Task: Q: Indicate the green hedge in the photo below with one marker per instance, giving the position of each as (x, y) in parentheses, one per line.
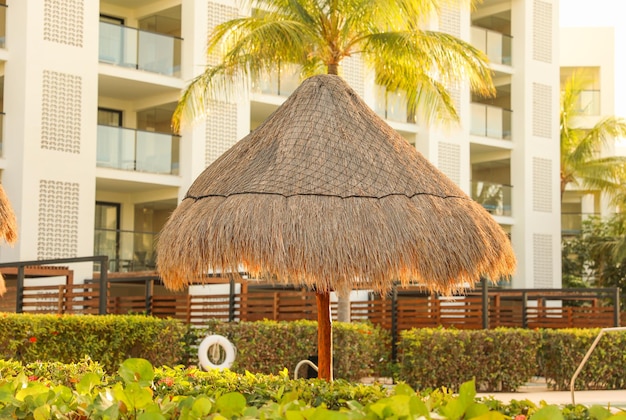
(360, 349)
(562, 351)
(108, 339)
(498, 359)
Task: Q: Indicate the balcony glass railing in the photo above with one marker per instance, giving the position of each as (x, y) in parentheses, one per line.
(588, 102)
(572, 223)
(1, 131)
(130, 47)
(496, 45)
(3, 24)
(495, 198)
(490, 121)
(392, 105)
(127, 250)
(283, 81)
(135, 150)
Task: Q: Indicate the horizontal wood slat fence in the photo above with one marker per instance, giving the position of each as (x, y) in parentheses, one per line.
(408, 309)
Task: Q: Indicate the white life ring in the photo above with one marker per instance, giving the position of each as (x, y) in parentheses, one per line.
(212, 340)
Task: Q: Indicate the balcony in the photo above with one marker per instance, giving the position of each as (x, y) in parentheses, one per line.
(490, 121)
(127, 250)
(495, 198)
(572, 223)
(136, 150)
(1, 130)
(3, 24)
(282, 82)
(588, 102)
(142, 50)
(496, 45)
(392, 106)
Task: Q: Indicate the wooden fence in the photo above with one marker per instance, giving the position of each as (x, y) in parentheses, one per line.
(407, 309)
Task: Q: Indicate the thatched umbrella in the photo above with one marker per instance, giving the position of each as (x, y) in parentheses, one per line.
(8, 227)
(325, 194)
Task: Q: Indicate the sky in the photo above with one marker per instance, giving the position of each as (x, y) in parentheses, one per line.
(603, 13)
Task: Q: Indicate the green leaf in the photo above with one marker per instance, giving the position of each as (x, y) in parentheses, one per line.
(33, 390)
(42, 412)
(138, 396)
(323, 413)
(137, 370)
(151, 416)
(88, 382)
(490, 415)
(403, 389)
(549, 412)
(201, 407)
(598, 412)
(476, 410)
(231, 404)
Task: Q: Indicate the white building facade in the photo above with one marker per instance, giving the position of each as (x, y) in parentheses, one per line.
(91, 166)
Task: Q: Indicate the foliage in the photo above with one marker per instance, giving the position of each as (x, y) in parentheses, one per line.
(318, 35)
(498, 359)
(580, 164)
(107, 339)
(598, 253)
(271, 346)
(140, 391)
(562, 351)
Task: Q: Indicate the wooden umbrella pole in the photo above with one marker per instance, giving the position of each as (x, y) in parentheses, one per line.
(324, 341)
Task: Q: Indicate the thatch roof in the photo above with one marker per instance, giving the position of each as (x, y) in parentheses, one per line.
(8, 227)
(325, 194)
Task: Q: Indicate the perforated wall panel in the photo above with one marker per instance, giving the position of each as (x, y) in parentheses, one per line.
(542, 260)
(352, 70)
(455, 94)
(221, 129)
(58, 219)
(542, 31)
(61, 112)
(542, 185)
(542, 110)
(217, 14)
(63, 21)
(450, 161)
(450, 20)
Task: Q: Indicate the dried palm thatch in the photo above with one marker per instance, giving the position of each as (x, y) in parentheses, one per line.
(8, 227)
(325, 194)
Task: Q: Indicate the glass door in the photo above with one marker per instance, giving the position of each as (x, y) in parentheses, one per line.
(107, 233)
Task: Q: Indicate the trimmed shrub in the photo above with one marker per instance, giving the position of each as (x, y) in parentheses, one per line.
(498, 360)
(107, 339)
(563, 350)
(360, 349)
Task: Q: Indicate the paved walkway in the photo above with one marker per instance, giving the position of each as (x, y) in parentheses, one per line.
(616, 399)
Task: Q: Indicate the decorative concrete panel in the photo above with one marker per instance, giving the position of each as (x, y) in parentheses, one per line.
(450, 161)
(63, 21)
(353, 72)
(542, 110)
(218, 13)
(58, 219)
(542, 260)
(61, 112)
(542, 185)
(221, 129)
(542, 31)
(450, 20)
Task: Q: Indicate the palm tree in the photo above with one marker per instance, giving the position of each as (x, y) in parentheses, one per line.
(580, 163)
(319, 34)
